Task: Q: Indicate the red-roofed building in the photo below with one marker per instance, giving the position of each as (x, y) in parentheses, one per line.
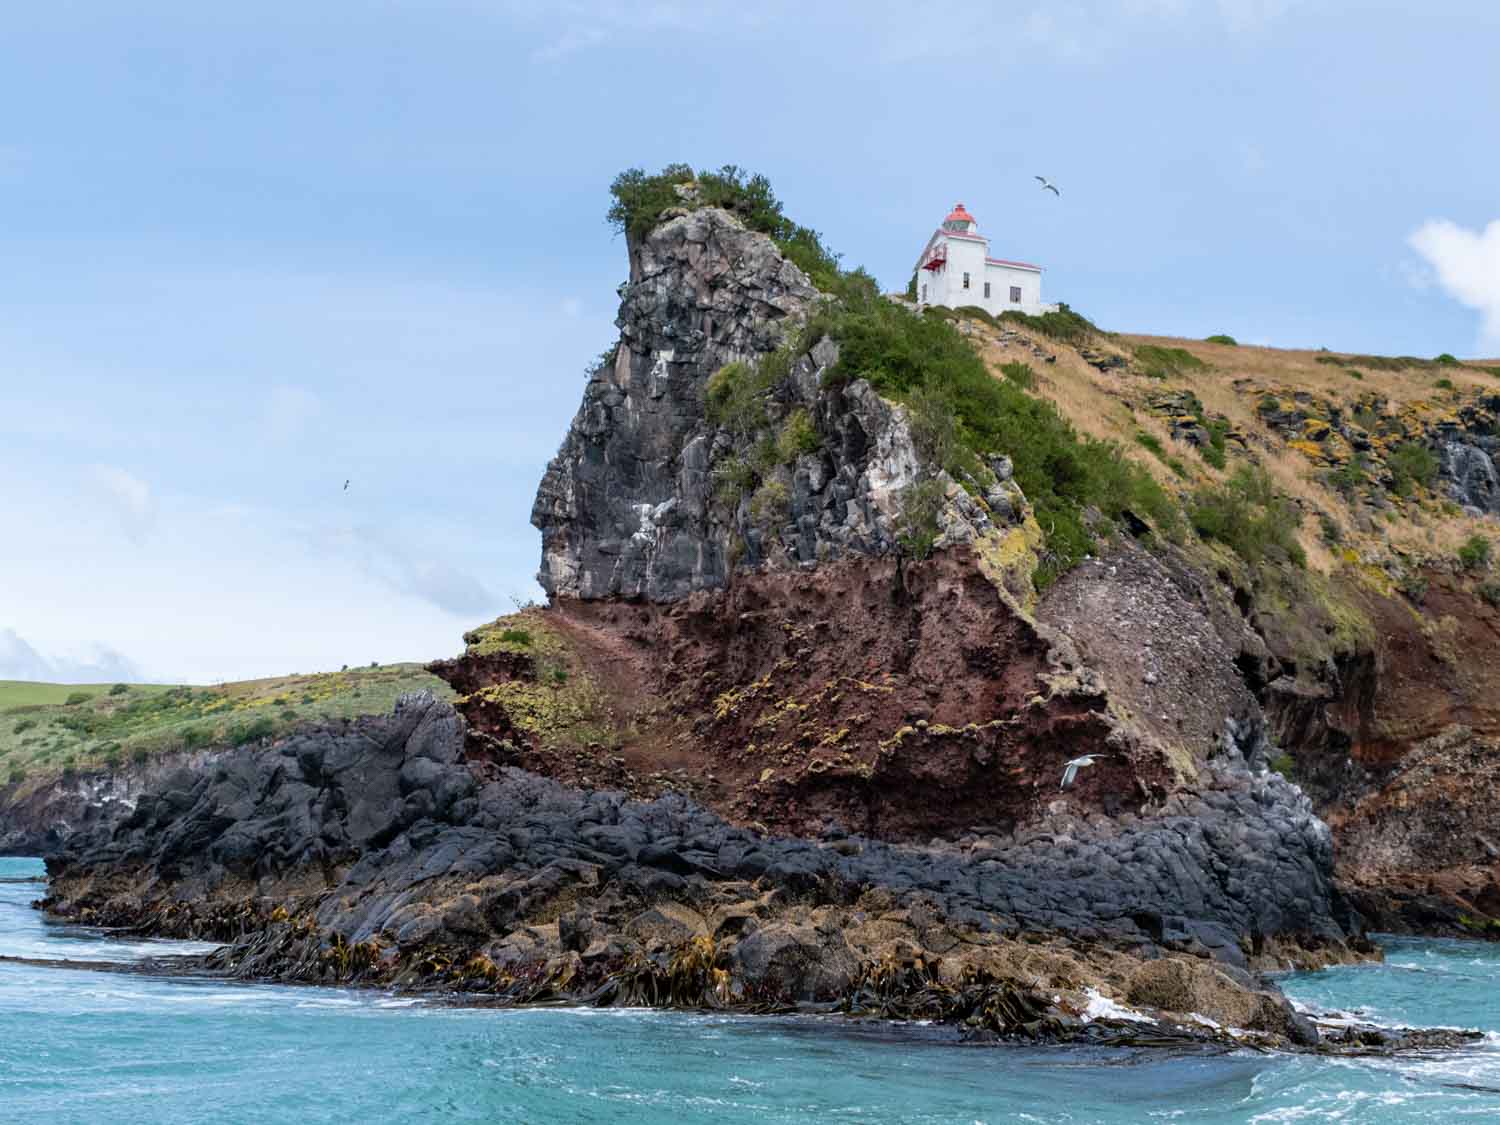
(956, 269)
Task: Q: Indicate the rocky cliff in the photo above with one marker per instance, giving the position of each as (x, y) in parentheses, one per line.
(766, 745)
(375, 852)
(649, 496)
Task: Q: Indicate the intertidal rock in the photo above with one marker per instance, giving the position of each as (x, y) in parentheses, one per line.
(374, 851)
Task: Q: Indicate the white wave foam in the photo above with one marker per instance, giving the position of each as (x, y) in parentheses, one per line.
(1101, 1007)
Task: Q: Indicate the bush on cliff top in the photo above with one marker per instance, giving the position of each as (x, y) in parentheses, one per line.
(1063, 324)
(640, 200)
(959, 408)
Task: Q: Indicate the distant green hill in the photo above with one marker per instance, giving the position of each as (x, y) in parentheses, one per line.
(46, 729)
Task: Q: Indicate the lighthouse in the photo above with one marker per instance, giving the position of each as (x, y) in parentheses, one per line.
(956, 269)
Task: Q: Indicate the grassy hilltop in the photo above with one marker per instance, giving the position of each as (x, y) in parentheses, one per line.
(47, 729)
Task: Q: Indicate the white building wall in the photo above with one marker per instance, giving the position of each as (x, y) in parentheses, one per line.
(1003, 278)
(964, 256)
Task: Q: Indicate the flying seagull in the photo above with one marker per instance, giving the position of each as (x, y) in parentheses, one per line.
(346, 486)
(1048, 185)
(1071, 768)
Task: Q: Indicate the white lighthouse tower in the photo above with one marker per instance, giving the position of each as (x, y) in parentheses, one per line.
(956, 269)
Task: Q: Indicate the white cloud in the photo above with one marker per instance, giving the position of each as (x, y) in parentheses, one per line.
(288, 410)
(571, 41)
(130, 497)
(400, 563)
(1467, 265)
(19, 660)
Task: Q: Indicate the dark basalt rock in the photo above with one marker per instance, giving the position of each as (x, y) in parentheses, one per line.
(631, 505)
(387, 815)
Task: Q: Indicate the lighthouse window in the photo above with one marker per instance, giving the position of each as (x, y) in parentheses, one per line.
(1015, 294)
(966, 280)
(986, 290)
(924, 294)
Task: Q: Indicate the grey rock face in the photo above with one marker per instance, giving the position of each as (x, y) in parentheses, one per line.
(1469, 471)
(632, 506)
(624, 506)
(387, 806)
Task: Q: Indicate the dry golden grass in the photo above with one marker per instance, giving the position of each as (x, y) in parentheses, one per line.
(1112, 406)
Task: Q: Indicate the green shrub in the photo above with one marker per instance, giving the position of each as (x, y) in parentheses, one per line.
(641, 199)
(605, 358)
(1411, 464)
(76, 697)
(1413, 585)
(1284, 764)
(1353, 374)
(937, 432)
(1150, 443)
(1349, 477)
(734, 398)
(200, 734)
(1490, 592)
(911, 288)
(798, 437)
(1444, 384)
(1475, 553)
(974, 312)
(251, 731)
(140, 755)
(733, 478)
(1248, 516)
(119, 689)
(1064, 324)
(520, 637)
(917, 529)
(1020, 374)
(1377, 362)
(1447, 360)
(1159, 362)
(24, 725)
(1221, 338)
(1329, 529)
(1062, 474)
(770, 503)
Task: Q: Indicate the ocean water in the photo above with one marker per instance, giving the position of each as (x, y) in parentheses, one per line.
(91, 1046)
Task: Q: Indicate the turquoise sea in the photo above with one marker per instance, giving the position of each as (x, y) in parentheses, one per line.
(88, 1046)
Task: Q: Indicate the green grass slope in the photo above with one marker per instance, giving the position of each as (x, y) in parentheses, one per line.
(46, 729)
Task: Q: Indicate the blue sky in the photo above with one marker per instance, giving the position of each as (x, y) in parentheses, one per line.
(252, 251)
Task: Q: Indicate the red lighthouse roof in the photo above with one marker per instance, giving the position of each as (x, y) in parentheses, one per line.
(959, 215)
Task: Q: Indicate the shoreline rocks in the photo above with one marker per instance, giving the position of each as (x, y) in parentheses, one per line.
(375, 853)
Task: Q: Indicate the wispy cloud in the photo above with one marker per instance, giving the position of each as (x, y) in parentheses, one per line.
(130, 497)
(401, 563)
(20, 660)
(571, 41)
(1467, 265)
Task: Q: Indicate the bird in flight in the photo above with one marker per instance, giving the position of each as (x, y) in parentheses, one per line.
(1071, 768)
(1048, 185)
(346, 486)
